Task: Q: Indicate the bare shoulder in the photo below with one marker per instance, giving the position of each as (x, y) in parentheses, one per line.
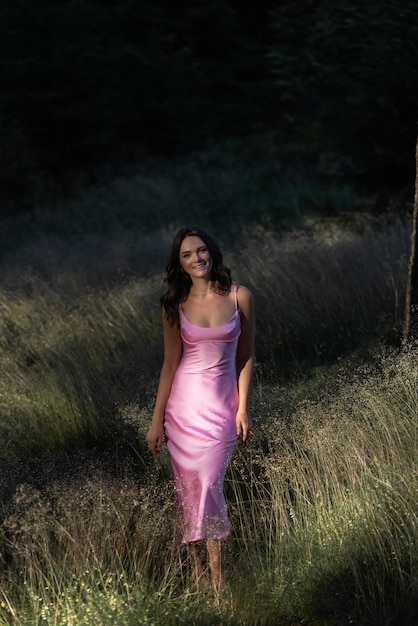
(247, 315)
(172, 342)
(169, 329)
(245, 299)
(244, 295)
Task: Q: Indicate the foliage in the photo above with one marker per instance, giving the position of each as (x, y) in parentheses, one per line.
(351, 68)
(89, 89)
(94, 85)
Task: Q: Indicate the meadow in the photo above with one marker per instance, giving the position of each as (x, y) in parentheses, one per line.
(323, 498)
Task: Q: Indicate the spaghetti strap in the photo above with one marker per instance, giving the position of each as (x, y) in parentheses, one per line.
(236, 298)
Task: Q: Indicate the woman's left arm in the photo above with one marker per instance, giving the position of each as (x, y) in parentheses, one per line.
(245, 359)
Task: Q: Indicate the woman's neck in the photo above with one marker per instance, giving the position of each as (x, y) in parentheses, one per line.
(201, 289)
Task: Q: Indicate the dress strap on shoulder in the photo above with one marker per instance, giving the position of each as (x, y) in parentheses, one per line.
(236, 298)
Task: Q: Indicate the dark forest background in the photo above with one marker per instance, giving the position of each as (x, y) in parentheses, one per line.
(90, 87)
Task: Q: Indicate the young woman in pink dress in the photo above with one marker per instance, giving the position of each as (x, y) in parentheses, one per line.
(201, 407)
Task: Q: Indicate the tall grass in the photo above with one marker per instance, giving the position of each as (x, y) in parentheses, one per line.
(322, 500)
(323, 505)
(340, 479)
(62, 360)
(77, 342)
(321, 291)
(234, 183)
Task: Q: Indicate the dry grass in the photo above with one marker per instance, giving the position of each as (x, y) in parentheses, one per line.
(323, 501)
(323, 505)
(320, 291)
(80, 341)
(61, 360)
(335, 507)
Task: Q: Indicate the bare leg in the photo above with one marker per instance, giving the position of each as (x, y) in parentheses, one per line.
(215, 564)
(195, 554)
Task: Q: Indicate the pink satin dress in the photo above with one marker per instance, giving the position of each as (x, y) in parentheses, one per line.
(200, 426)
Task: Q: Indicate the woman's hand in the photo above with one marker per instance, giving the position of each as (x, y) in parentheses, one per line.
(155, 437)
(243, 425)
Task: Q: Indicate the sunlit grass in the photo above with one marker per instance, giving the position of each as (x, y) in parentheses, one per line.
(340, 530)
(322, 500)
(82, 341)
(60, 359)
(323, 505)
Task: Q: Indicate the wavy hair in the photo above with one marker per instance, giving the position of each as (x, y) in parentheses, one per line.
(179, 282)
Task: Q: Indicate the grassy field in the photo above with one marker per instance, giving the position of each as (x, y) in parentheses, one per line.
(322, 500)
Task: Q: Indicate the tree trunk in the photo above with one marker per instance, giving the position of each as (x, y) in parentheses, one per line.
(410, 331)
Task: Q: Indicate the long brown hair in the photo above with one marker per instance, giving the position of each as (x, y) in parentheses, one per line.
(179, 282)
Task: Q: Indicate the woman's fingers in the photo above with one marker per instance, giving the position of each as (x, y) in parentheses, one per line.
(244, 431)
(152, 447)
(243, 428)
(154, 443)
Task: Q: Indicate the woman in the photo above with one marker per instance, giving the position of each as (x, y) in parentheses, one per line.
(202, 400)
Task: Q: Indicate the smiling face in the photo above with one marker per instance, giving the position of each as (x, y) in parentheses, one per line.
(195, 258)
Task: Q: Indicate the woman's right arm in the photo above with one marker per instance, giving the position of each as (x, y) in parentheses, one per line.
(172, 354)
